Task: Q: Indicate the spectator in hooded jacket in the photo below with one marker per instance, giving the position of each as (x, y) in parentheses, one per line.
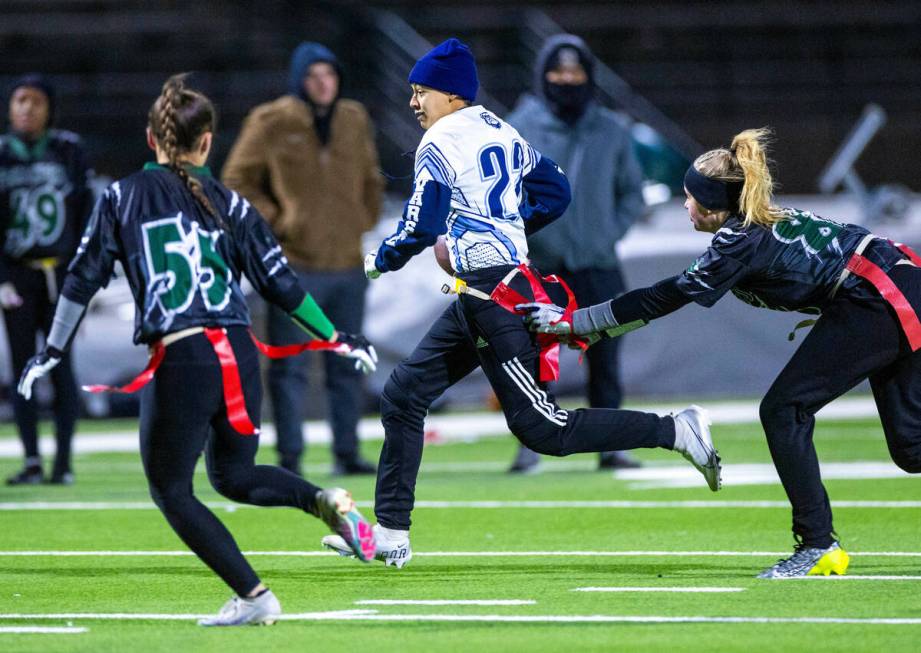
(307, 161)
(593, 146)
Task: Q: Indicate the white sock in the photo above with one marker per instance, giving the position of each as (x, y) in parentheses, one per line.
(392, 533)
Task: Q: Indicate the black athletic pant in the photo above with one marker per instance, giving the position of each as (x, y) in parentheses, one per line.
(472, 332)
(852, 341)
(23, 324)
(183, 413)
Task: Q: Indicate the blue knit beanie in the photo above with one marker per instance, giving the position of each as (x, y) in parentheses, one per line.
(448, 67)
(304, 56)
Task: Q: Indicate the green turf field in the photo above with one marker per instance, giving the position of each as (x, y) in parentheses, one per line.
(469, 507)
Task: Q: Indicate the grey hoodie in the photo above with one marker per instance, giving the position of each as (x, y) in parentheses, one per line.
(598, 158)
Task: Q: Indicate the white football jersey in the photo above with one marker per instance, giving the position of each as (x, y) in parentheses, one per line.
(482, 159)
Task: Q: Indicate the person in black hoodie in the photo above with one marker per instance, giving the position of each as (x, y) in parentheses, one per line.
(45, 199)
(592, 144)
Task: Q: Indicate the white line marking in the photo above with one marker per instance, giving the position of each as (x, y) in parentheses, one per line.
(371, 615)
(154, 616)
(446, 602)
(659, 589)
(653, 477)
(459, 554)
(55, 630)
(481, 505)
(460, 428)
(852, 578)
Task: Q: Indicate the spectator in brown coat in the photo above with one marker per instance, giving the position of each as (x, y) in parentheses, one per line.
(308, 163)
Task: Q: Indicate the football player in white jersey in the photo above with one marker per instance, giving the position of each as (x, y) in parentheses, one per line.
(480, 185)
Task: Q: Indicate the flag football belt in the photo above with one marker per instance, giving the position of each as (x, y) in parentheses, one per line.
(865, 269)
(230, 373)
(508, 299)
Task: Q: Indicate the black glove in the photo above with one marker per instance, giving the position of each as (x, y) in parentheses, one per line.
(37, 367)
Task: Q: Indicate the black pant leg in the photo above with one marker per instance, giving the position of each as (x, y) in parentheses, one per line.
(897, 390)
(66, 411)
(175, 419)
(22, 326)
(344, 304)
(66, 394)
(593, 286)
(231, 457)
(511, 363)
(848, 343)
(443, 357)
(288, 386)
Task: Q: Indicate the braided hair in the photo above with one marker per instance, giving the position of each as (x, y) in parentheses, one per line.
(177, 120)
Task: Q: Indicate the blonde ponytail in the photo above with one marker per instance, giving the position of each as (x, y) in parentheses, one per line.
(746, 161)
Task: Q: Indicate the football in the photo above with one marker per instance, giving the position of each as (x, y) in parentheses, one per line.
(442, 255)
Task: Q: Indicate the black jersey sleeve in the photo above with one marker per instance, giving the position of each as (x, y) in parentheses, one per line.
(719, 269)
(93, 263)
(260, 258)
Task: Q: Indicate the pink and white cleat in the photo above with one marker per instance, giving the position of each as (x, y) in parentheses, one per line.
(336, 508)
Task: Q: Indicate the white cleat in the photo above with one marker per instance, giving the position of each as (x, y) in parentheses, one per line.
(392, 551)
(262, 610)
(693, 441)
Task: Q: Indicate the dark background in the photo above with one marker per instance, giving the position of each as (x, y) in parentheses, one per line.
(715, 68)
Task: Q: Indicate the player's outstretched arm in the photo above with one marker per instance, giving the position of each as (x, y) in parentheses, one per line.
(612, 318)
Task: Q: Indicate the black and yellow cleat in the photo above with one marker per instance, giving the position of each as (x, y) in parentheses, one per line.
(810, 561)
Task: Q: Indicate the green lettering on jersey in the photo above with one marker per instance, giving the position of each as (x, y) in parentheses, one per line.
(215, 277)
(37, 218)
(813, 233)
(181, 263)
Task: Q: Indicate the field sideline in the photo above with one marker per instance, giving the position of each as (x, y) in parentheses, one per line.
(569, 559)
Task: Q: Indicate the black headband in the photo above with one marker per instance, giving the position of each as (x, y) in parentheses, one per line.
(710, 193)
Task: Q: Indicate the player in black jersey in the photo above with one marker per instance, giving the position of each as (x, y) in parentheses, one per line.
(45, 199)
(184, 241)
(866, 289)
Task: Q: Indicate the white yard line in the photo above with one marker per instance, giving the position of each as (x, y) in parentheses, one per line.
(156, 616)
(474, 505)
(852, 578)
(50, 630)
(446, 602)
(457, 554)
(447, 428)
(371, 615)
(660, 589)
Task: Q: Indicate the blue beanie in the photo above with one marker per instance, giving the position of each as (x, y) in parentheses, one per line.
(448, 67)
(304, 56)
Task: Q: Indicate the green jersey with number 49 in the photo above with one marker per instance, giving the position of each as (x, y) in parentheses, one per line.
(45, 197)
(184, 266)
